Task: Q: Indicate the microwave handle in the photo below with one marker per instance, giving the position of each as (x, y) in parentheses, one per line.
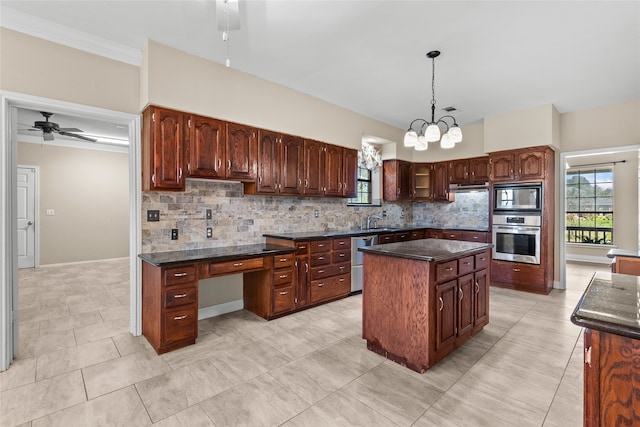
(499, 227)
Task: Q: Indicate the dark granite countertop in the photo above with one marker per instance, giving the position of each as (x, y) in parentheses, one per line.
(214, 254)
(611, 303)
(629, 253)
(328, 234)
(431, 250)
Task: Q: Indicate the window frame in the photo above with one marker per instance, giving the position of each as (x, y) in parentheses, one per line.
(355, 201)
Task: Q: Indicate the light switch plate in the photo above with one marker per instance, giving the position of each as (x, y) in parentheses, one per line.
(208, 214)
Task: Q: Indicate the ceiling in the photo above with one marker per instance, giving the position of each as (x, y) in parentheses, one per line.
(369, 56)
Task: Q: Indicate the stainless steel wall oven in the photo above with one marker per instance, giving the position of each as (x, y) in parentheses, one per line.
(516, 238)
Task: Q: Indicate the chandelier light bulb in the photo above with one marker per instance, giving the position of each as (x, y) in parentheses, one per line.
(446, 141)
(432, 133)
(455, 133)
(410, 138)
(421, 143)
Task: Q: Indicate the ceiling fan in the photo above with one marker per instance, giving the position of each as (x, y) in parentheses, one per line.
(49, 128)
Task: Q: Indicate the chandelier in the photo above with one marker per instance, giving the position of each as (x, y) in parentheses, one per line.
(429, 131)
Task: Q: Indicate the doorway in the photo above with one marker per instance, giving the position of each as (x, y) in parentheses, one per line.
(27, 212)
(10, 102)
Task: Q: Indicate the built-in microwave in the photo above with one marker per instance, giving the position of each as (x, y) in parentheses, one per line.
(525, 197)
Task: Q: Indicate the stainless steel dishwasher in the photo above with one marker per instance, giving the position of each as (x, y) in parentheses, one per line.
(356, 259)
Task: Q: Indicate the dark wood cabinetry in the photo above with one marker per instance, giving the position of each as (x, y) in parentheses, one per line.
(333, 170)
(397, 180)
(207, 138)
(459, 171)
(163, 150)
(469, 171)
(611, 385)
(291, 165)
(520, 165)
(280, 164)
(240, 152)
(421, 182)
(314, 169)
(441, 181)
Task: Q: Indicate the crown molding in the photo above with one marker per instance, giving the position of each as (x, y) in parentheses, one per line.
(66, 36)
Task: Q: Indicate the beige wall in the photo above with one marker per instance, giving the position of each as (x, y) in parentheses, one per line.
(33, 66)
(89, 193)
(522, 128)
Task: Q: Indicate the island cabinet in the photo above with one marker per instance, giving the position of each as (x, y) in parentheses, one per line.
(416, 311)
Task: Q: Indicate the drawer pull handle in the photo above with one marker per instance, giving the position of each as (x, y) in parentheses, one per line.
(516, 269)
(342, 255)
(475, 237)
(467, 263)
(283, 260)
(441, 304)
(449, 269)
(283, 276)
(321, 245)
(342, 243)
(483, 259)
(180, 296)
(320, 271)
(284, 293)
(180, 274)
(302, 247)
(180, 317)
(341, 268)
(237, 264)
(320, 285)
(320, 258)
(341, 280)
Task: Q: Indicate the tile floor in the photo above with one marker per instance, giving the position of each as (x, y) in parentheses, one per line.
(77, 364)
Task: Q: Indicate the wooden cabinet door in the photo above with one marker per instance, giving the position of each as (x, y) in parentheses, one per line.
(291, 164)
(241, 150)
(206, 147)
(459, 171)
(268, 162)
(302, 281)
(502, 167)
(404, 187)
(530, 164)
(446, 296)
(397, 179)
(350, 172)
(466, 290)
(440, 181)
(481, 299)
(314, 180)
(164, 149)
(333, 173)
(479, 170)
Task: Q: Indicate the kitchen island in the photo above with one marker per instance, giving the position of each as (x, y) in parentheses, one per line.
(422, 299)
(610, 311)
(625, 261)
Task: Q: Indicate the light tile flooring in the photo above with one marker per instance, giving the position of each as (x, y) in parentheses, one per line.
(77, 364)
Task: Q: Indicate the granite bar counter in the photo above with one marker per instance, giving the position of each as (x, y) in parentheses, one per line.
(610, 311)
(423, 299)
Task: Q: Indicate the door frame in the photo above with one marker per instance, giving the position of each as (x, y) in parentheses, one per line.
(9, 102)
(36, 216)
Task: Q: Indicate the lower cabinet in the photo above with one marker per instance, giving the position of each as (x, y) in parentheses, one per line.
(521, 276)
(611, 380)
(326, 289)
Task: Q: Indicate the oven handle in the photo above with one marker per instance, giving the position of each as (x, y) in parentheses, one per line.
(534, 229)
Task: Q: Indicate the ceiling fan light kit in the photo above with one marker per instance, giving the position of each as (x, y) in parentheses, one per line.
(429, 130)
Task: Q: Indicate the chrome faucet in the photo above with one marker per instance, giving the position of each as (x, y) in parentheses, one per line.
(375, 218)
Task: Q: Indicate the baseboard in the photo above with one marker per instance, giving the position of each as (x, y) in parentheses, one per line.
(81, 262)
(589, 259)
(217, 310)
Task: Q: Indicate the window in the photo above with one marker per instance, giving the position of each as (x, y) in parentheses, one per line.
(589, 206)
(364, 187)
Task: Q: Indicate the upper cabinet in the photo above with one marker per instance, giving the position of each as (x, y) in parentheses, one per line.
(314, 168)
(520, 165)
(469, 171)
(421, 182)
(397, 177)
(441, 181)
(163, 150)
(341, 169)
(241, 147)
(350, 172)
(280, 164)
(206, 147)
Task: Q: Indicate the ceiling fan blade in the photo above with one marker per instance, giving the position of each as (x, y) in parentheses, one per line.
(69, 130)
(34, 129)
(47, 136)
(73, 135)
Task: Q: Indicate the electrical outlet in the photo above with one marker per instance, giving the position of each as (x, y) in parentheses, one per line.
(315, 213)
(174, 234)
(153, 216)
(209, 232)
(208, 214)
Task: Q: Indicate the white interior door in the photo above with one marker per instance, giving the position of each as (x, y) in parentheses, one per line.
(26, 211)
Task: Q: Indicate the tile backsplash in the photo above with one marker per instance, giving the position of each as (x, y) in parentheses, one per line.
(240, 219)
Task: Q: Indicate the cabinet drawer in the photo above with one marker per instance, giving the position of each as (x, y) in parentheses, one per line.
(180, 296)
(320, 246)
(446, 271)
(237, 266)
(320, 259)
(283, 261)
(403, 237)
(465, 265)
(341, 256)
(302, 248)
(417, 235)
(180, 325)
(475, 236)
(282, 277)
(330, 270)
(482, 260)
(523, 275)
(283, 299)
(181, 274)
(386, 238)
(452, 235)
(339, 244)
(330, 288)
